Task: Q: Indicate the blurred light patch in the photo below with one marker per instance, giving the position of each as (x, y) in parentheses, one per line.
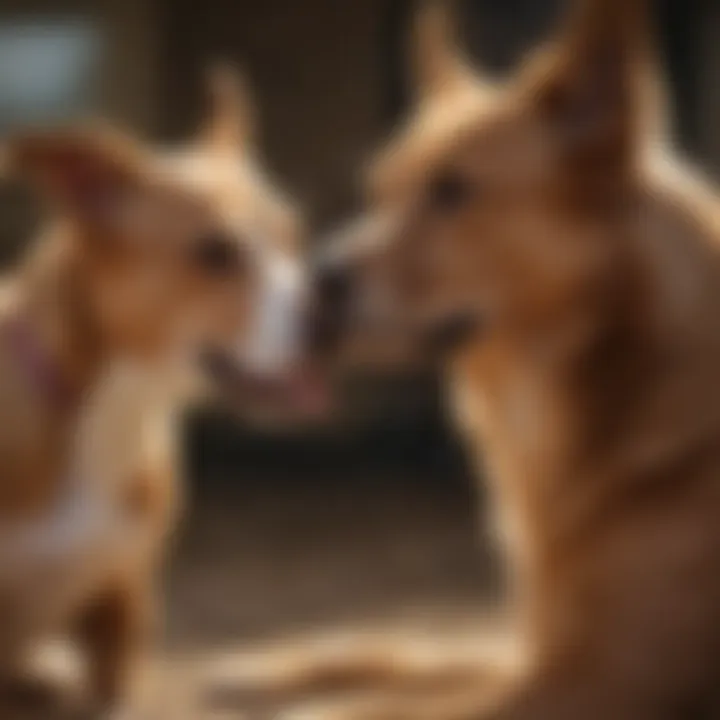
(46, 70)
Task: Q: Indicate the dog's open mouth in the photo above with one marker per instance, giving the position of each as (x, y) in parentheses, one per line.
(300, 393)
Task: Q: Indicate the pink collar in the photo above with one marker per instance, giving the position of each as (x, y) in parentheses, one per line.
(40, 368)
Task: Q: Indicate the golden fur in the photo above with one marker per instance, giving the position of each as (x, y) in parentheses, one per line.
(549, 212)
(151, 257)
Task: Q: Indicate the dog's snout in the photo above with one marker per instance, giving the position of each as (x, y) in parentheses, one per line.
(333, 296)
(333, 285)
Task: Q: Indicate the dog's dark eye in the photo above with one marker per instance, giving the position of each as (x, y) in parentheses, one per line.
(218, 254)
(449, 192)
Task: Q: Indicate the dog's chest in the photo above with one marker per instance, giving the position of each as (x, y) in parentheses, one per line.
(510, 414)
(509, 421)
(89, 532)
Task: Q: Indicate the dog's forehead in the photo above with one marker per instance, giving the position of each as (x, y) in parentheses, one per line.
(235, 192)
(430, 136)
(211, 175)
(497, 136)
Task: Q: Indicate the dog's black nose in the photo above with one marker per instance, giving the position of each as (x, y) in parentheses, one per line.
(333, 296)
(333, 285)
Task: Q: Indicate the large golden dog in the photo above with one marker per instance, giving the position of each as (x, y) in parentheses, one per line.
(538, 242)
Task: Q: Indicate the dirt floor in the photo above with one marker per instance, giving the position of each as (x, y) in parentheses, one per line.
(299, 568)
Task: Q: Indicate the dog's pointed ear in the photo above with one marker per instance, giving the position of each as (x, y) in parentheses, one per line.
(437, 62)
(601, 80)
(230, 121)
(82, 171)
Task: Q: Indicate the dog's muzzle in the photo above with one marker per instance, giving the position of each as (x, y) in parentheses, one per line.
(446, 336)
(332, 307)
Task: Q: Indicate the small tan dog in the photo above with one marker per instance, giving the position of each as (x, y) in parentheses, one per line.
(537, 242)
(152, 261)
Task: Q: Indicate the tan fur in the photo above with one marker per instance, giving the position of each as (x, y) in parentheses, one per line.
(115, 296)
(590, 389)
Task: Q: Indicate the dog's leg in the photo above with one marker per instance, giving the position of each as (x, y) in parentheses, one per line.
(553, 696)
(569, 694)
(117, 628)
(458, 692)
(114, 632)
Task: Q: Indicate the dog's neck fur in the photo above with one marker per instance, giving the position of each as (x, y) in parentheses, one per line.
(592, 424)
(101, 434)
(53, 301)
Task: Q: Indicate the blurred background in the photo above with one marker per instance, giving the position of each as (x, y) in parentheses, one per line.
(367, 525)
